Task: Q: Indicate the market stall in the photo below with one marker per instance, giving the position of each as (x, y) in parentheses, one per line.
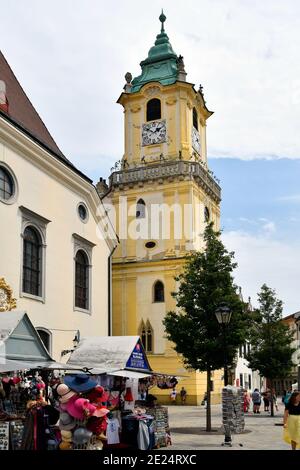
(25, 367)
(120, 367)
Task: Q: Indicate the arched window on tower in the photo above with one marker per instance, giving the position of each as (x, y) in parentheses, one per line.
(153, 109)
(158, 292)
(140, 209)
(195, 119)
(149, 337)
(146, 335)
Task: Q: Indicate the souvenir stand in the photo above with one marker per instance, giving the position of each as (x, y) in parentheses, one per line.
(24, 370)
(119, 366)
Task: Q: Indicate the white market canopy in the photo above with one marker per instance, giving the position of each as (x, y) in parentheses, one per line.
(116, 355)
(21, 346)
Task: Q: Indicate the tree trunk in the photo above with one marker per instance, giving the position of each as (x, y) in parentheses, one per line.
(271, 399)
(208, 406)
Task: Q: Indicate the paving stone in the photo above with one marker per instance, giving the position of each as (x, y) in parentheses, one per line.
(187, 425)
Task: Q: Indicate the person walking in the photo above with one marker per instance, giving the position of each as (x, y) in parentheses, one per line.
(173, 396)
(246, 401)
(291, 421)
(183, 394)
(256, 399)
(288, 395)
(266, 399)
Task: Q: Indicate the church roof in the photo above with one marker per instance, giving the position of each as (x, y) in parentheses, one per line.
(161, 64)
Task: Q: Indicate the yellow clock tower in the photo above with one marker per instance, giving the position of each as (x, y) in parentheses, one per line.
(162, 193)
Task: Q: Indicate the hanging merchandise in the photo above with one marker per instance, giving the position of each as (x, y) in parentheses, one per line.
(80, 383)
(113, 430)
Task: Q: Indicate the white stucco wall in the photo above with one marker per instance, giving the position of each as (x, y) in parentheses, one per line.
(53, 191)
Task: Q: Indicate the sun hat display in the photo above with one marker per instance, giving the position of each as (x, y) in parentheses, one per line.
(80, 408)
(97, 445)
(64, 393)
(100, 411)
(96, 394)
(96, 425)
(64, 445)
(80, 382)
(66, 436)
(81, 436)
(66, 421)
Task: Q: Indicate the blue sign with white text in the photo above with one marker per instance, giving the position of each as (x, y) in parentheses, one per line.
(138, 359)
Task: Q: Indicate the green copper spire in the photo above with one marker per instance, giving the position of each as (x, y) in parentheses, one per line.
(161, 64)
(162, 19)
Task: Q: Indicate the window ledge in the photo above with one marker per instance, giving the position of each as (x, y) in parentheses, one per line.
(82, 310)
(33, 297)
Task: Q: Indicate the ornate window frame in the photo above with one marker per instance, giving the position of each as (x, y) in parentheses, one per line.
(143, 330)
(12, 175)
(39, 223)
(153, 292)
(85, 245)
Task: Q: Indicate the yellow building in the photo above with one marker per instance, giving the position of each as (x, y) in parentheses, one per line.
(163, 193)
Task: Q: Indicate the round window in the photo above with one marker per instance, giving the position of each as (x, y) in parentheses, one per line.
(7, 186)
(206, 214)
(150, 245)
(83, 213)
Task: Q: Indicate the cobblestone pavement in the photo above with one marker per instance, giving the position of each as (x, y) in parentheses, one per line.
(187, 425)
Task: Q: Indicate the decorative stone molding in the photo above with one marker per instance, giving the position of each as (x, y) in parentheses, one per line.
(135, 109)
(153, 90)
(7, 301)
(171, 100)
(168, 170)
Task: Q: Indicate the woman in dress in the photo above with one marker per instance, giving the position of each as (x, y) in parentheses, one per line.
(291, 421)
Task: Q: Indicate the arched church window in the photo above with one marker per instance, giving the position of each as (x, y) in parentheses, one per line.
(146, 335)
(153, 109)
(32, 261)
(149, 337)
(195, 119)
(158, 292)
(140, 209)
(81, 280)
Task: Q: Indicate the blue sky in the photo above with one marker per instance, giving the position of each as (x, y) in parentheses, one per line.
(260, 192)
(71, 58)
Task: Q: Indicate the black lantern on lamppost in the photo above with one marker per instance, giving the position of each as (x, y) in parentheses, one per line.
(223, 315)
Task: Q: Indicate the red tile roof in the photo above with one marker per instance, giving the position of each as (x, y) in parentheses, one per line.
(21, 111)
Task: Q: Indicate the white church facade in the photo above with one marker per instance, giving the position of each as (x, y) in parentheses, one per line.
(55, 239)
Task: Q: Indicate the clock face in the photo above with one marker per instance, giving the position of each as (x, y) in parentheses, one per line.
(154, 132)
(196, 140)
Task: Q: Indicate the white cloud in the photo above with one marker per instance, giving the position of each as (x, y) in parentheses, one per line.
(265, 260)
(291, 198)
(269, 227)
(71, 58)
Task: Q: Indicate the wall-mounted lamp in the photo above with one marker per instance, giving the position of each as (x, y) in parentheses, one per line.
(76, 340)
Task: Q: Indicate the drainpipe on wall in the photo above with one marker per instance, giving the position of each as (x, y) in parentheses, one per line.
(110, 292)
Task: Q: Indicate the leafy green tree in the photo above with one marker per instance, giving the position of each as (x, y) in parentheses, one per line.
(271, 351)
(205, 283)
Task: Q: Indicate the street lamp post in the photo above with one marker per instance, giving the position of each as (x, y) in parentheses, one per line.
(223, 315)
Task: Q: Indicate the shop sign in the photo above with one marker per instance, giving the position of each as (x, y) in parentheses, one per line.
(138, 359)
